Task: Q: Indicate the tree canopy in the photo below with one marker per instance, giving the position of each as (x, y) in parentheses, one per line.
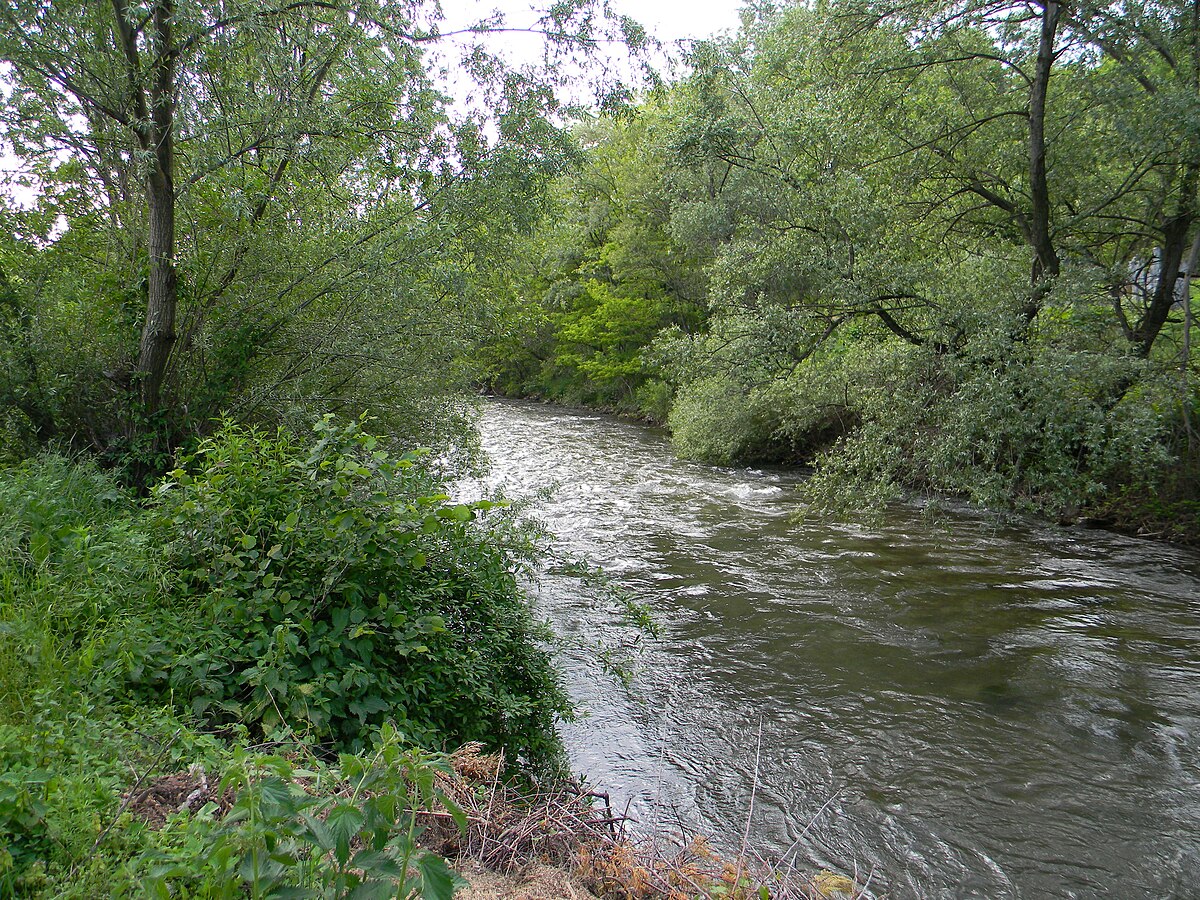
(925, 245)
(254, 207)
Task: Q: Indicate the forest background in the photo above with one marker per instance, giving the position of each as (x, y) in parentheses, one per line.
(920, 247)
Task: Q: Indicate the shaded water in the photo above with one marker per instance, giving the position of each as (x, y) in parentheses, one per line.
(961, 709)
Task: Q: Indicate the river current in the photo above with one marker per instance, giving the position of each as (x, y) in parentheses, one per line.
(949, 706)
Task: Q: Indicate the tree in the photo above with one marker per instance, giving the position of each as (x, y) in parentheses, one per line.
(284, 189)
(601, 276)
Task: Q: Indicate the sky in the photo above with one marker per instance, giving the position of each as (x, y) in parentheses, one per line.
(677, 19)
(671, 22)
(674, 23)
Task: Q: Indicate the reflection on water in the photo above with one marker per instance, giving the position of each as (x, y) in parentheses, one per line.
(980, 711)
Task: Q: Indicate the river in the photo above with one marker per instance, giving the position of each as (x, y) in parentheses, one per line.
(956, 707)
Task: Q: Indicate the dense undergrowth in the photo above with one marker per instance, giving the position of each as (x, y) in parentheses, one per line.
(286, 619)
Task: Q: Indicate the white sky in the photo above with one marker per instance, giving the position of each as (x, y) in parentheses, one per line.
(671, 20)
(667, 20)
(674, 23)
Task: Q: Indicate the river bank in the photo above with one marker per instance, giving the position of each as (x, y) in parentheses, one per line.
(243, 682)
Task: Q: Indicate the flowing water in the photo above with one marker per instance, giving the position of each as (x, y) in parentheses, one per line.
(955, 707)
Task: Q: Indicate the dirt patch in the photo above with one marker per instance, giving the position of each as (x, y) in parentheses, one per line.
(510, 826)
(155, 800)
(534, 883)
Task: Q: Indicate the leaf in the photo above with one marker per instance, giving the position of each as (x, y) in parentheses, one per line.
(373, 890)
(459, 513)
(378, 863)
(321, 834)
(344, 821)
(438, 882)
(277, 793)
(456, 812)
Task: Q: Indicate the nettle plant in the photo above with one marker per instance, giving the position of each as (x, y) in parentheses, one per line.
(297, 830)
(335, 587)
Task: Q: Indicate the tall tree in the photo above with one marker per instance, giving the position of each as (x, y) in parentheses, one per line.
(274, 176)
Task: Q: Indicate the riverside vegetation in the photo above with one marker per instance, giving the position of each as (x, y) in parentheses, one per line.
(323, 598)
(934, 247)
(922, 246)
(226, 221)
(224, 690)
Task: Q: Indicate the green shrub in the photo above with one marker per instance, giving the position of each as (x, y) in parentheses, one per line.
(333, 587)
(714, 421)
(313, 829)
(1047, 436)
(274, 587)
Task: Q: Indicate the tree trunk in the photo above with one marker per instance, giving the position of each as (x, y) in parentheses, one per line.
(1175, 235)
(158, 333)
(1046, 265)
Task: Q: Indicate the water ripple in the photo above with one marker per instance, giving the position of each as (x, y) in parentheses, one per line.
(973, 709)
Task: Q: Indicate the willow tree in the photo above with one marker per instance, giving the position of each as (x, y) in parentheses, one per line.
(946, 241)
(281, 185)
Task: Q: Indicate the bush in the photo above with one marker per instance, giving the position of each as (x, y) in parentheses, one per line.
(312, 829)
(1045, 434)
(713, 421)
(334, 588)
(274, 587)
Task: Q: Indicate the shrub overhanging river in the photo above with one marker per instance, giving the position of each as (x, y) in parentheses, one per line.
(961, 708)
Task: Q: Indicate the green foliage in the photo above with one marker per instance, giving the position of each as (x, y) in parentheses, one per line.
(601, 277)
(921, 247)
(298, 825)
(311, 830)
(63, 768)
(76, 567)
(335, 587)
(712, 421)
(1040, 435)
(328, 211)
(322, 589)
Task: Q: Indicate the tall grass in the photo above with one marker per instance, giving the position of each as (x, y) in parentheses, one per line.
(75, 569)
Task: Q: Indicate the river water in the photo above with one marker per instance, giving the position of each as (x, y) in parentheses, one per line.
(953, 707)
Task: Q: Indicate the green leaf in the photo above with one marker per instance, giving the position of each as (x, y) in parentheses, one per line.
(344, 821)
(321, 834)
(456, 812)
(459, 513)
(378, 863)
(437, 880)
(275, 795)
(373, 890)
